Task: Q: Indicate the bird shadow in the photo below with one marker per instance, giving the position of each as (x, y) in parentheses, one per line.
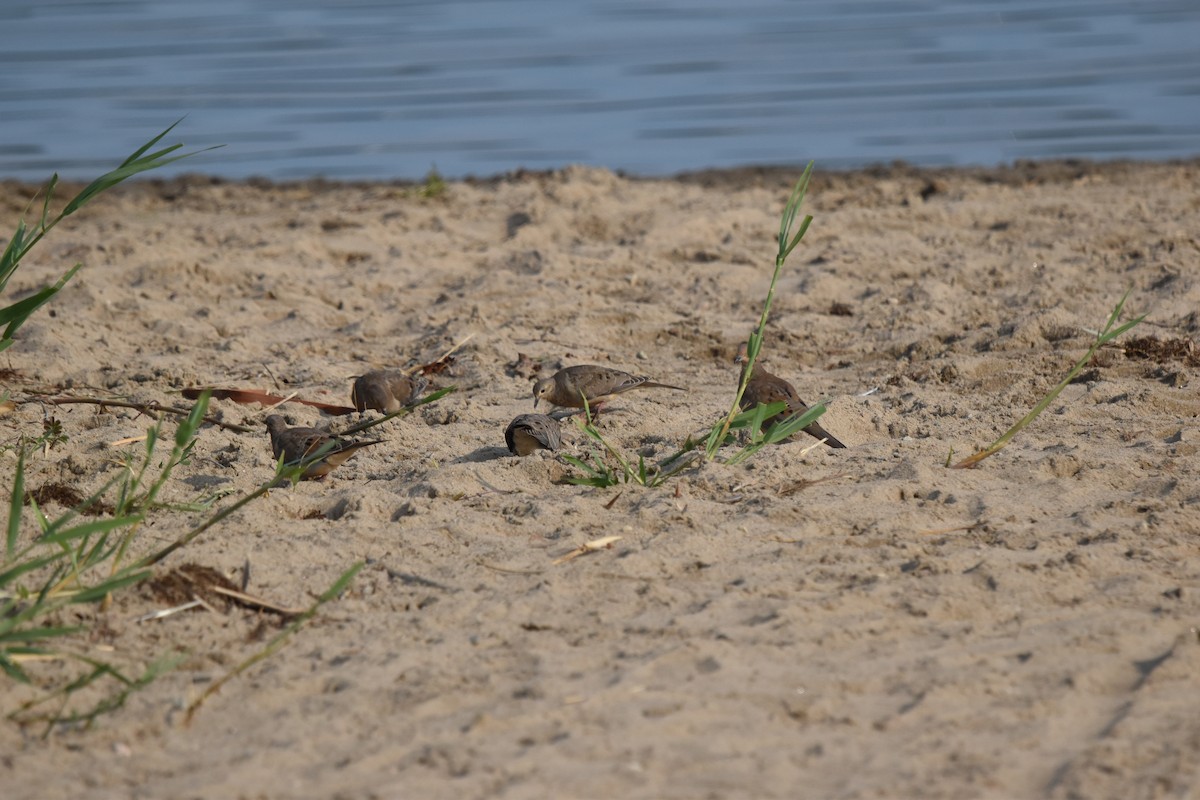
(562, 415)
(481, 454)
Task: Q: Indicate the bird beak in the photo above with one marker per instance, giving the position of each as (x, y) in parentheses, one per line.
(535, 399)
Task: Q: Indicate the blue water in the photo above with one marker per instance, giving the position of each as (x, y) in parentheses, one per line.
(382, 90)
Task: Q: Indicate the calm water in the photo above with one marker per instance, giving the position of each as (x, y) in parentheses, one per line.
(299, 88)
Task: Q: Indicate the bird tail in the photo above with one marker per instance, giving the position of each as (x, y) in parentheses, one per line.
(817, 432)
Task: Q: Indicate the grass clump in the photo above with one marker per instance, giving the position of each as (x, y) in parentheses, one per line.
(597, 473)
(433, 185)
(70, 563)
(50, 567)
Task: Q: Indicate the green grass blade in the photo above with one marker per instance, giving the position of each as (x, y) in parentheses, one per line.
(90, 502)
(756, 421)
(576, 462)
(91, 528)
(39, 634)
(137, 154)
(43, 223)
(98, 592)
(745, 418)
(799, 234)
(16, 507)
(12, 254)
(16, 313)
(10, 668)
(191, 423)
(16, 571)
(786, 244)
(599, 476)
(139, 161)
(794, 424)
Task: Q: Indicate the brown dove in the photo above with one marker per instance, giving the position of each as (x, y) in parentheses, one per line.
(766, 388)
(299, 444)
(386, 390)
(529, 432)
(598, 384)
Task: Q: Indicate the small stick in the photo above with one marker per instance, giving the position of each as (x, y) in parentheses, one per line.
(162, 613)
(936, 531)
(588, 547)
(130, 440)
(494, 489)
(271, 375)
(439, 359)
(278, 402)
(256, 602)
(509, 570)
(145, 408)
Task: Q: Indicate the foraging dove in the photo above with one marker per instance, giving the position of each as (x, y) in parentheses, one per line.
(529, 432)
(597, 384)
(766, 388)
(298, 444)
(386, 390)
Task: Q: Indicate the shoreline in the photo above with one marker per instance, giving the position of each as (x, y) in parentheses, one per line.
(1015, 172)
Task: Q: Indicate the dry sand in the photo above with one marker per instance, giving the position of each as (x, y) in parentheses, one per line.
(815, 623)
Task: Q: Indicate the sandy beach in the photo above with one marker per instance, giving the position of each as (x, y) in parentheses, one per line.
(852, 623)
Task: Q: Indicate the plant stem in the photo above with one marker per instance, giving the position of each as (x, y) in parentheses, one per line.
(1102, 338)
(787, 242)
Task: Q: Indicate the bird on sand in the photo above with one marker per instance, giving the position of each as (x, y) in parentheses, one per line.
(529, 432)
(569, 386)
(766, 388)
(299, 445)
(386, 390)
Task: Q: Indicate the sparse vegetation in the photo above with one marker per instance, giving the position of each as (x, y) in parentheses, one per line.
(598, 473)
(23, 240)
(87, 554)
(1103, 337)
(433, 186)
(67, 562)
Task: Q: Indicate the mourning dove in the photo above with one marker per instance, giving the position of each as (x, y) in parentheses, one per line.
(386, 390)
(568, 386)
(297, 445)
(765, 388)
(529, 432)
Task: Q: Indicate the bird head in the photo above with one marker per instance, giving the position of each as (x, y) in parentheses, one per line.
(542, 389)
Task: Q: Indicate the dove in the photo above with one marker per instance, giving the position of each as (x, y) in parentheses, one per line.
(300, 444)
(529, 432)
(597, 384)
(766, 388)
(386, 390)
